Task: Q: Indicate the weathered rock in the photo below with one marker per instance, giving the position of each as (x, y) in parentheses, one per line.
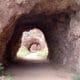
(58, 19)
(33, 40)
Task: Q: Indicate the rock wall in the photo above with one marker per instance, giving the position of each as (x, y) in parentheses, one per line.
(74, 38)
(58, 19)
(33, 40)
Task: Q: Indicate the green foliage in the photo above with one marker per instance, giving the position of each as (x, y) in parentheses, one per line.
(42, 53)
(76, 73)
(1, 70)
(22, 52)
(76, 77)
(3, 76)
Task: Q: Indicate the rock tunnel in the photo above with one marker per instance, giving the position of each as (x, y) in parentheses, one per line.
(55, 31)
(58, 20)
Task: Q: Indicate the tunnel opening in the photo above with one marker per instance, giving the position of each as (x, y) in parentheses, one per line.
(24, 23)
(33, 46)
(55, 29)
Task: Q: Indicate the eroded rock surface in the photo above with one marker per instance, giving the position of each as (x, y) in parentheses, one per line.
(33, 40)
(58, 19)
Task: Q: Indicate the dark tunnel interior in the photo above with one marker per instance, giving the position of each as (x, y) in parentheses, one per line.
(48, 25)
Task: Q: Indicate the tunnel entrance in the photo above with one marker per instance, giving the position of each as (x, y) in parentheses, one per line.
(53, 26)
(58, 21)
(28, 35)
(33, 45)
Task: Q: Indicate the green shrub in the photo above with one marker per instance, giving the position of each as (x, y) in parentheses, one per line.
(42, 53)
(1, 70)
(76, 73)
(22, 52)
(76, 77)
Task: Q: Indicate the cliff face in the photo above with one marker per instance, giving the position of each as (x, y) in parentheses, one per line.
(58, 19)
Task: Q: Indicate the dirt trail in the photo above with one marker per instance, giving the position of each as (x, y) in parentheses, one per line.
(37, 70)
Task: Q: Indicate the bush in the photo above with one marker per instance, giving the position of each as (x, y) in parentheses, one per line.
(22, 52)
(76, 73)
(1, 70)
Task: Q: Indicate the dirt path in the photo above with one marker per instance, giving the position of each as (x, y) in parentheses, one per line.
(37, 70)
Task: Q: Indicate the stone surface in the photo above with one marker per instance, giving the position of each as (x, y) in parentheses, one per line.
(58, 19)
(33, 40)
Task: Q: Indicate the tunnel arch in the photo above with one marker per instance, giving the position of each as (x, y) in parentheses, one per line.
(22, 24)
(55, 28)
